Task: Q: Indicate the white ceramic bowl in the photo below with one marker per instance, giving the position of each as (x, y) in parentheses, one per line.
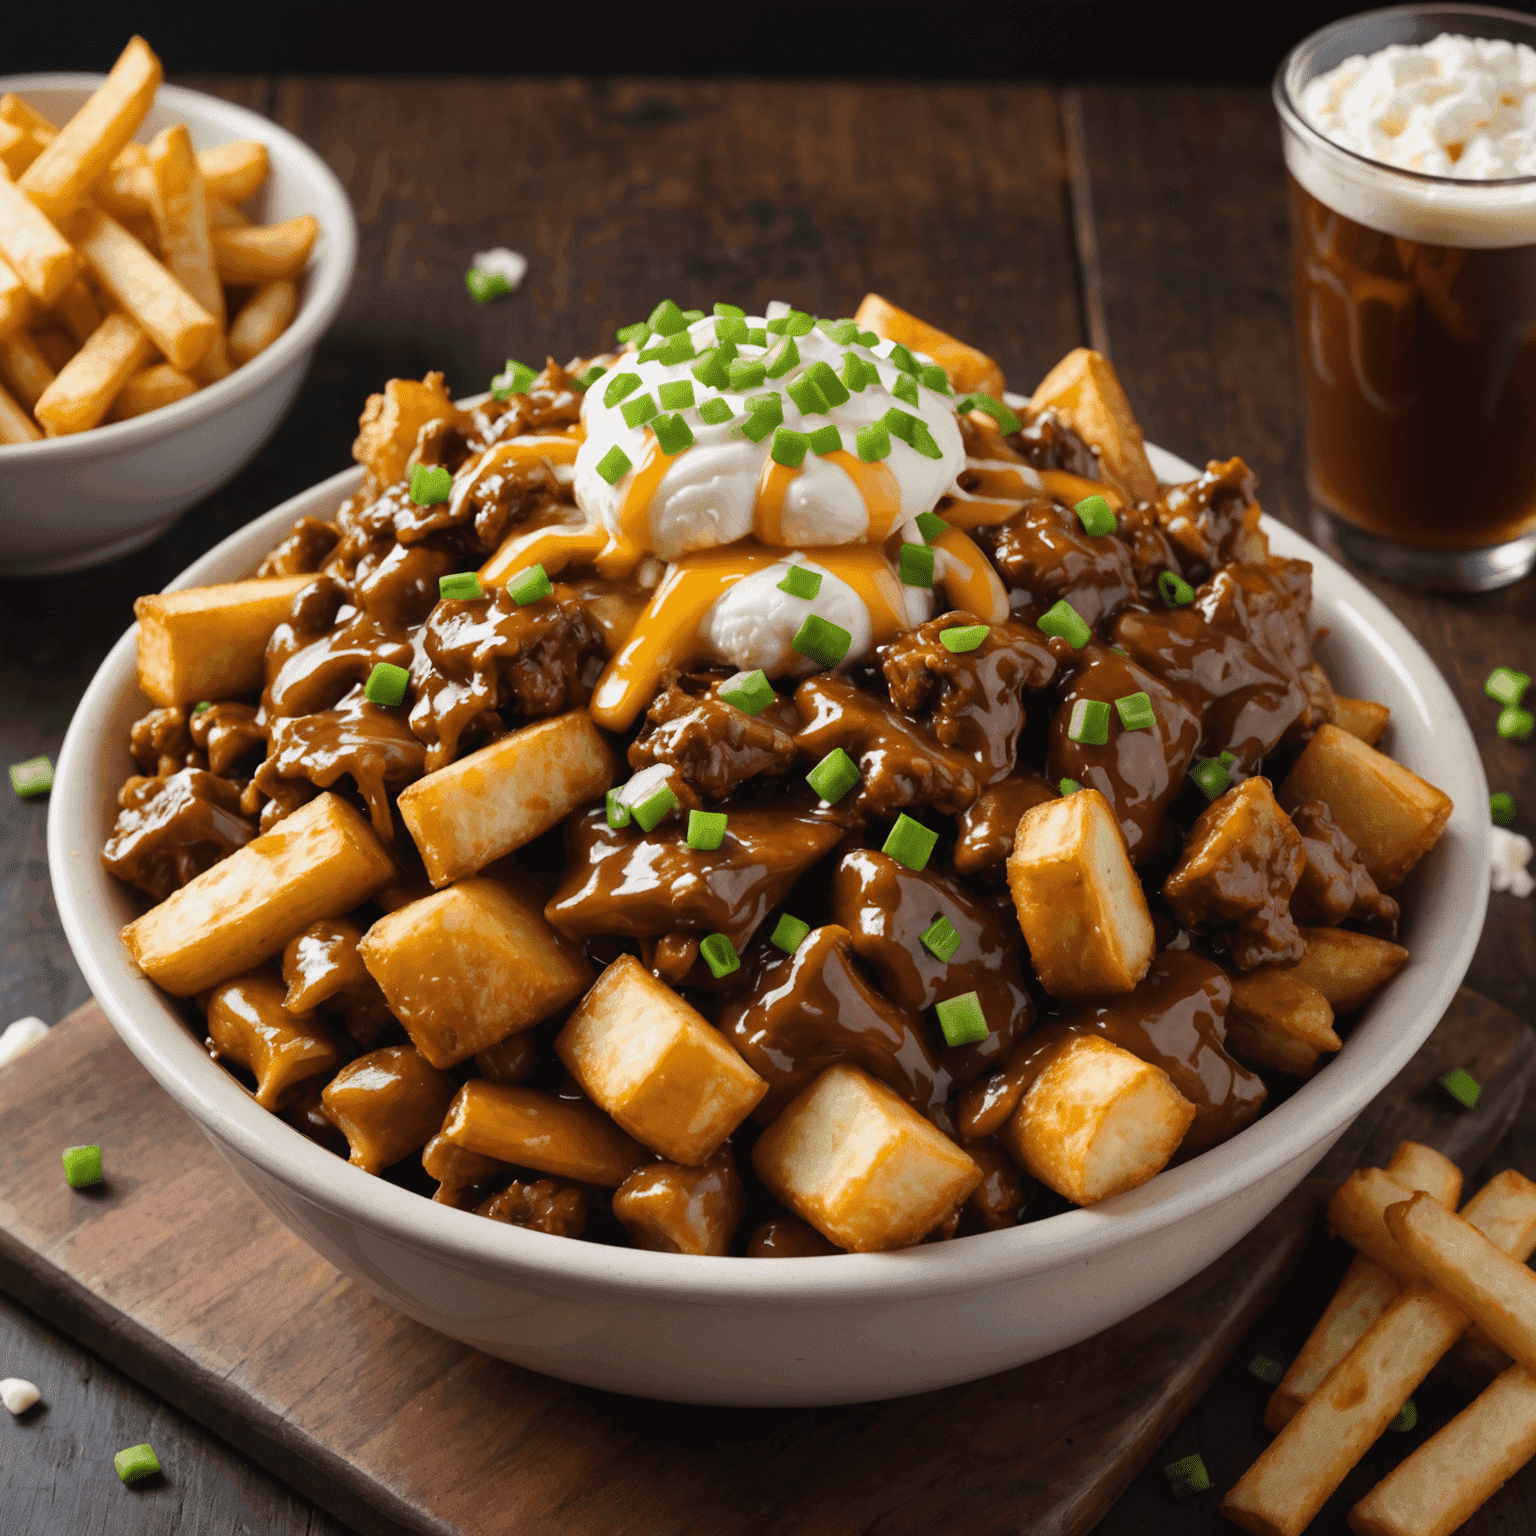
(790, 1331)
(69, 503)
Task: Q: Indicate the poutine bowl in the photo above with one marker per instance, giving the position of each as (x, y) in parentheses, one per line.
(808, 1330)
(70, 503)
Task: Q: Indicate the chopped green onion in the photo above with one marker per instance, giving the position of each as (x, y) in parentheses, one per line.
(821, 640)
(936, 379)
(1461, 1086)
(666, 319)
(770, 404)
(758, 424)
(656, 353)
(868, 339)
(798, 323)
(673, 434)
(713, 412)
(140, 1461)
(618, 386)
(617, 811)
(799, 582)
(1187, 1476)
(679, 348)
(788, 933)
(843, 332)
(649, 811)
(198, 709)
(530, 586)
(913, 431)
(638, 411)
(941, 940)
(614, 465)
(430, 485)
(386, 684)
(34, 777)
(750, 692)
(1176, 591)
(1267, 1369)
(514, 381)
(591, 376)
(82, 1166)
(1136, 712)
(1501, 806)
(833, 776)
(873, 442)
(825, 440)
(931, 526)
(1515, 724)
(639, 333)
(785, 355)
(1067, 787)
(962, 1020)
(713, 369)
(789, 447)
(965, 637)
(832, 388)
(1063, 622)
(461, 587)
(757, 336)
(1507, 685)
(1407, 1418)
(1089, 723)
(905, 388)
(778, 326)
(804, 392)
(484, 286)
(746, 373)
(676, 395)
(730, 328)
(1120, 650)
(1211, 778)
(910, 843)
(719, 954)
(994, 408)
(857, 372)
(904, 360)
(706, 830)
(730, 312)
(690, 315)
(1226, 758)
(915, 565)
(1096, 515)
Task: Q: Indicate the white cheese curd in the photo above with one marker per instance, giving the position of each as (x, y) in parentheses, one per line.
(18, 1395)
(1509, 856)
(752, 623)
(20, 1036)
(708, 494)
(512, 265)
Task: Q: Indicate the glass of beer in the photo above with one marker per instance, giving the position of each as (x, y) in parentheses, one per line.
(1410, 147)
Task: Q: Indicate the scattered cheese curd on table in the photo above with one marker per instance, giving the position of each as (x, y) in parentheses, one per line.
(20, 1036)
(18, 1395)
(753, 791)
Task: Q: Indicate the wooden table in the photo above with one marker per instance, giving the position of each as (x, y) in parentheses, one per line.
(1148, 221)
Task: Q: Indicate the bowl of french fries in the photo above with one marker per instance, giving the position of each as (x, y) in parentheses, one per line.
(168, 262)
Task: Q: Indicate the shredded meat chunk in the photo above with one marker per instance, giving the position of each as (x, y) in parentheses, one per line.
(1335, 885)
(1047, 442)
(304, 550)
(161, 742)
(713, 745)
(545, 1205)
(1045, 554)
(228, 733)
(1214, 521)
(172, 827)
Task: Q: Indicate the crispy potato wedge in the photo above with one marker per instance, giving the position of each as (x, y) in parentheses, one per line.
(1360, 717)
(968, 370)
(1348, 968)
(1084, 391)
(1276, 1021)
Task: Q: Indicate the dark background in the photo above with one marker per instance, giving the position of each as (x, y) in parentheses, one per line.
(1024, 39)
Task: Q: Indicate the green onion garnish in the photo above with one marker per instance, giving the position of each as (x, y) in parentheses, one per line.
(825, 440)
(1515, 723)
(1187, 1476)
(757, 336)
(961, 1019)
(843, 332)
(915, 565)
(666, 319)
(82, 1166)
(799, 582)
(789, 447)
(1211, 778)
(713, 369)
(778, 326)
(1507, 685)
(140, 1461)
(913, 431)
(1461, 1086)
(941, 940)
(1067, 787)
(905, 388)
(1501, 806)
(430, 485)
(966, 637)
(857, 372)
(33, 777)
(676, 395)
(639, 333)
(206, 704)
(639, 410)
(655, 353)
(833, 776)
(530, 586)
(618, 386)
(1267, 1369)
(867, 339)
(804, 392)
(904, 360)
(386, 684)
(649, 812)
(1407, 1418)
(788, 933)
(1226, 758)
(672, 433)
(614, 465)
(1176, 591)
(936, 379)
(719, 954)
(746, 373)
(484, 286)
(514, 381)
(730, 312)
(910, 843)
(1089, 723)
(750, 692)
(690, 315)
(782, 358)
(798, 323)
(461, 587)
(617, 811)
(591, 376)
(994, 408)
(1063, 622)
(1136, 713)
(713, 412)
(931, 526)
(770, 404)
(873, 442)
(678, 348)
(821, 640)
(758, 424)
(832, 388)
(1096, 515)
(706, 830)
(731, 328)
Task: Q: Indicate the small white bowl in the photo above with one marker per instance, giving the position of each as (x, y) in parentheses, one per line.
(790, 1331)
(69, 503)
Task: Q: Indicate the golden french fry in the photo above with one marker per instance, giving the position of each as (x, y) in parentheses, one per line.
(1457, 1470)
(14, 110)
(56, 347)
(1361, 717)
(38, 254)
(79, 311)
(15, 425)
(235, 170)
(264, 318)
(24, 368)
(1276, 1021)
(1357, 1212)
(265, 251)
(179, 205)
(149, 389)
(91, 380)
(222, 215)
(92, 139)
(19, 147)
(175, 321)
(968, 369)
(15, 301)
(126, 188)
(1085, 393)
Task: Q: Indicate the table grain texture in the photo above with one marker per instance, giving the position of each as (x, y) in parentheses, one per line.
(1148, 221)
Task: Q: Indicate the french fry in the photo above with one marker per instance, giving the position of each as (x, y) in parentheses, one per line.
(78, 310)
(19, 147)
(24, 368)
(14, 110)
(91, 380)
(1274, 1020)
(1084, 391)
(15, 425)
(233, 171)
(15, 301)
(264, 317)
(221, 215)
(1361, 717)
(1283, 1490)
(89, 142)
(1348, 968)
(387, 1104)
(1457, 1470)
(248, 1024)
(174, 320)
(179, 204)
(968, 369)
(265, 251)
(126, 189)
(35, 251)
(1357, 1212)
(56, 347)
(149, 390)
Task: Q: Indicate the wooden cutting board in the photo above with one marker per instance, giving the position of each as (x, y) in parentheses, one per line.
(178, 1277)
